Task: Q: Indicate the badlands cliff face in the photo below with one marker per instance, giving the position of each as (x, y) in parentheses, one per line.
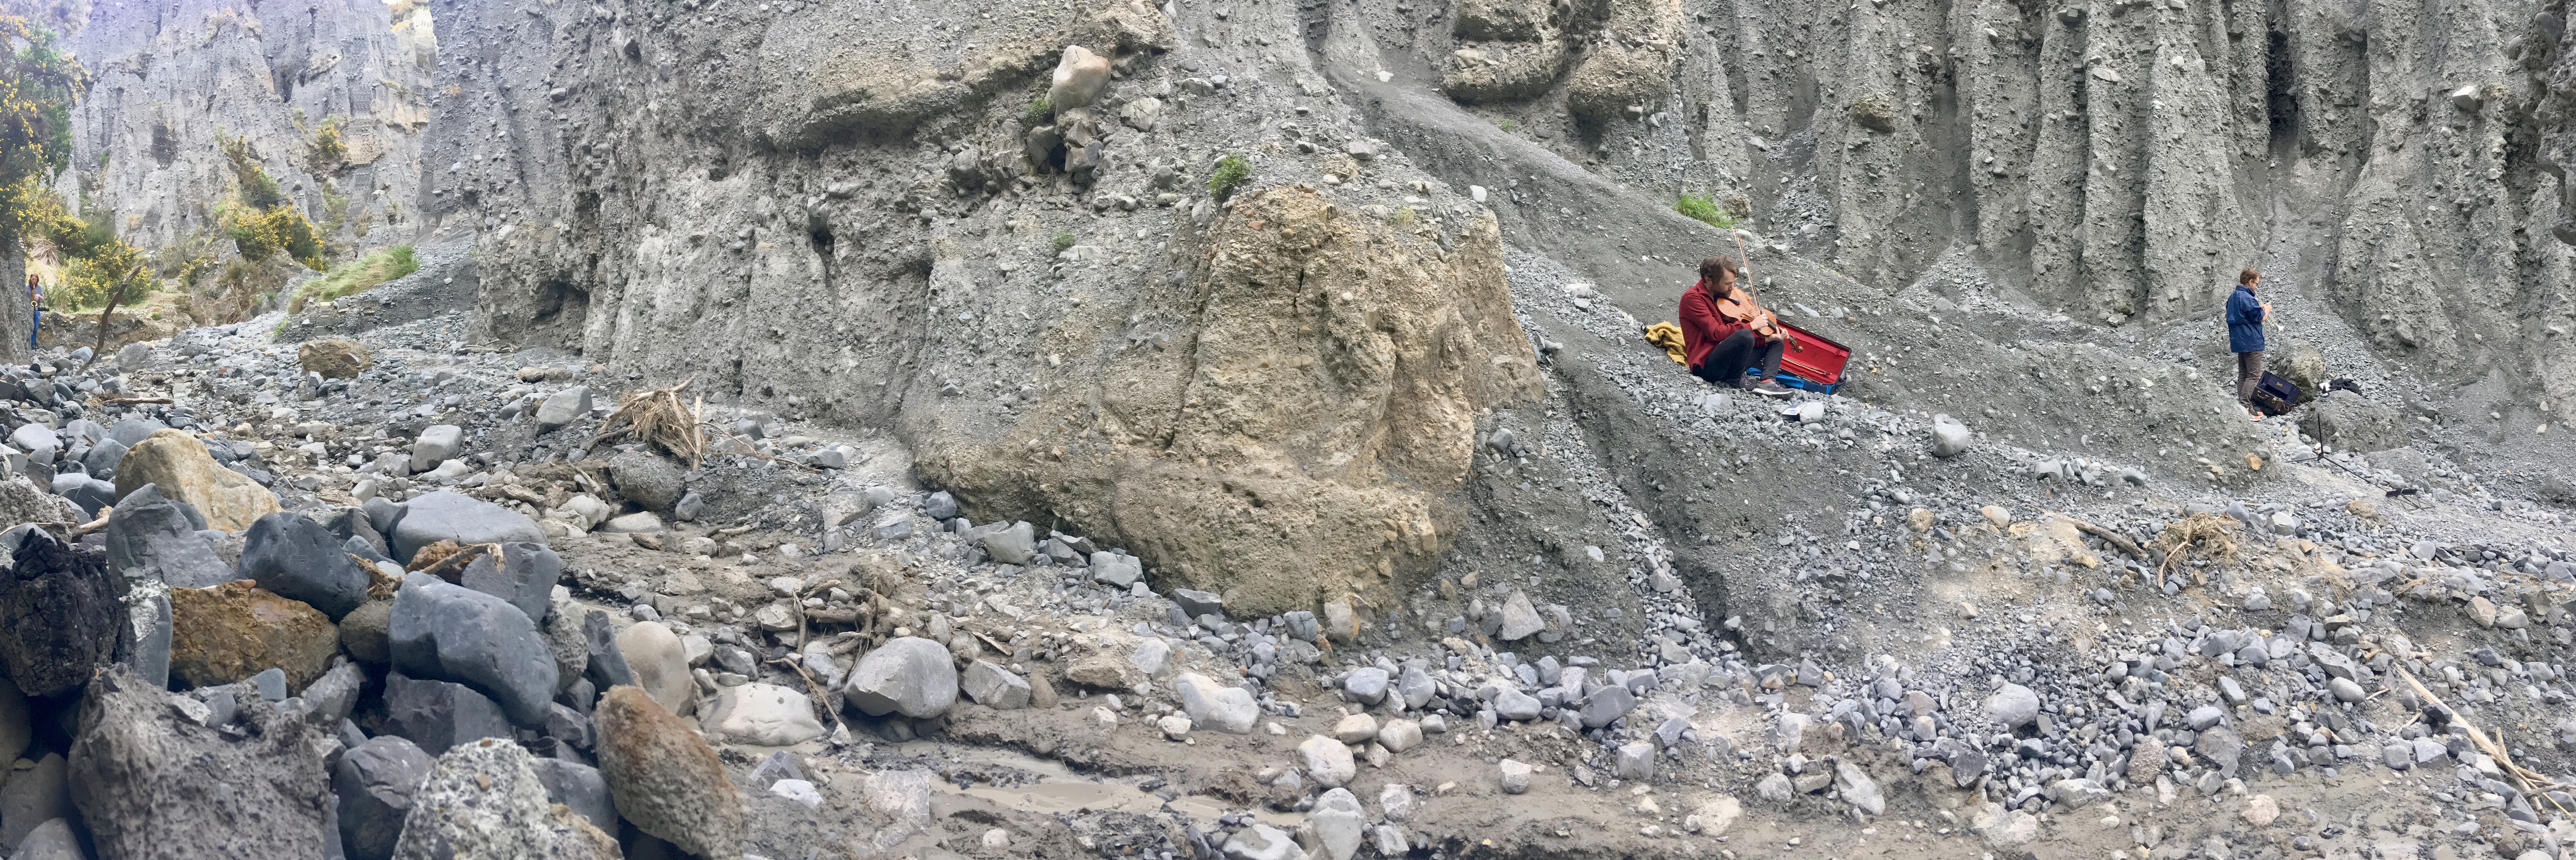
(860, 200)
(169, 80)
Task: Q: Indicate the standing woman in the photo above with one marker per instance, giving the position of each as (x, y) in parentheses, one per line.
(2245, 317)
(36, 306)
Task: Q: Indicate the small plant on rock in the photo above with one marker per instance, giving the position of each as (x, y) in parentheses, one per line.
(1403, 216)
(1038, 113)
(1060, 242)
(1231, 172)
(1704, 210)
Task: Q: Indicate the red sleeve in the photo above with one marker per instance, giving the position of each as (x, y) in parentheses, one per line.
(1702, 328)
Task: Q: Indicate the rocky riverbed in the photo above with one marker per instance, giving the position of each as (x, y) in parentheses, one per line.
(590, 647)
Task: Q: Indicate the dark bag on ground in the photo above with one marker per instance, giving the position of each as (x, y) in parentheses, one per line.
(2275, 395)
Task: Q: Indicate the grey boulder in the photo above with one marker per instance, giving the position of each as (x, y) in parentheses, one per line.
(87, 492)
(648, 479)
(1014, 545)
(524, 574)
(448, 515)
(102, 458)
(909, 675)
(445, 632)
(2014, 706)
(375, 781)
(607, 665)
(1607, 705)
(563, 407)
(580, 787)
(295, 558)
(150, 537)
(995, 687)
(437, 715)
(1520, 619)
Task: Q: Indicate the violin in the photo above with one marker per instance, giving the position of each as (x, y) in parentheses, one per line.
(1752, 316)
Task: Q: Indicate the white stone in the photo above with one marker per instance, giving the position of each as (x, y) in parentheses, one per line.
(1397, 802)
(435, 445)
(1399, 735)
(765, 715)
(1520, 619)
(798, 790)
(1226, 709)
(1516, 776)
(1355, 729)
(1949, 437)
(1079, 77)
(1328, 761)
(1339, 825)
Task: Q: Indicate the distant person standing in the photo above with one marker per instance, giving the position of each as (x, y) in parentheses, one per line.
(2245, 317)
(35, 306)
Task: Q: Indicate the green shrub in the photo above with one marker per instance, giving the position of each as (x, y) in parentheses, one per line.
(1060, 242)
(327, 149)
(1039, 112)
(355, 276)
(1403, 216)
(1704, 210)
(1231, 172)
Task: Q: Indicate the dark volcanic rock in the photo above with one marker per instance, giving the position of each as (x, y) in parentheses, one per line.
(60, 612)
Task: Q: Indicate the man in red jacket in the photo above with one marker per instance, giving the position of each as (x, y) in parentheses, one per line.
(1719, 349)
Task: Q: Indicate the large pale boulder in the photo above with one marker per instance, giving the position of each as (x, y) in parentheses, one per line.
(659, 663)
(1079, 77)
(1348, 460)
(334, 358)
(179, 466)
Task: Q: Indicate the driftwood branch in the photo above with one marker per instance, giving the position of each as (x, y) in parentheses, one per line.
(2532, 783)
(2108, 536)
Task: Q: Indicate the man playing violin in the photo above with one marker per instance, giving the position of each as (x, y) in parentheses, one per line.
(1724, 331)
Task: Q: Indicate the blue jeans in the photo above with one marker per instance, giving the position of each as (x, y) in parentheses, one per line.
(31, 329)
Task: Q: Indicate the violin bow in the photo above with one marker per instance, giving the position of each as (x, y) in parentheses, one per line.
(1744, 261)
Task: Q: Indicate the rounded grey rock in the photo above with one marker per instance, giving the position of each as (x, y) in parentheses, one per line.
(909, 675)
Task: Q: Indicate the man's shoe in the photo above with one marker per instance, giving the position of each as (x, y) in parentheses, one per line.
(1771, 388)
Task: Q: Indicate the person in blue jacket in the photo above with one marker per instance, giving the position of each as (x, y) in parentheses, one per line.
(2245, 317)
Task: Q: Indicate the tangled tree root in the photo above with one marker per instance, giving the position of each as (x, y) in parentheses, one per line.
(2208, 535)
(658, 418)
